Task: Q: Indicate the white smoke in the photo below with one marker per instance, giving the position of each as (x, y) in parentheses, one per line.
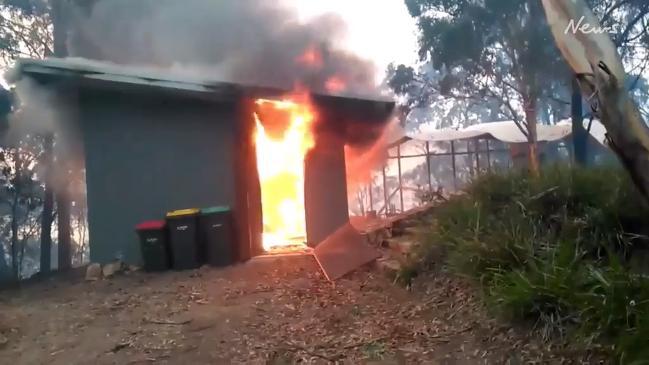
(35, 111)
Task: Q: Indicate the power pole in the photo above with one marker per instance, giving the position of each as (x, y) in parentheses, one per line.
(579, 133)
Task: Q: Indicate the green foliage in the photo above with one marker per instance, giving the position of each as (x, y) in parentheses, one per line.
(597, 208)
(543, 290)
(554, 251)
(506, 53)
(27, 7)
(25, 29)
(468, 231)
(616, 308)
(488, 56)
(401, 80)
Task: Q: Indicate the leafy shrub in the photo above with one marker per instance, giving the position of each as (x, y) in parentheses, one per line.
(554, 251)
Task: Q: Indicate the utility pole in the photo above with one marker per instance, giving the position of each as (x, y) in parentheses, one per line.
(579, 133)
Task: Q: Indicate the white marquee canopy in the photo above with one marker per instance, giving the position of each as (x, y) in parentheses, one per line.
(505, 131)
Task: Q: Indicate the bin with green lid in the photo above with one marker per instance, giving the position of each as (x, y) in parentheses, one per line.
(183, 239)
(153, 245)
(216, 232)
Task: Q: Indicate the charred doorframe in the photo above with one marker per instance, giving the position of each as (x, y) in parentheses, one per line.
(325, 187)
(325, 190)
(339, 121)
(247, 210)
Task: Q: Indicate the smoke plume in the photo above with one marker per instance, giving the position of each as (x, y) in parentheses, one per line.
(256, 42)
(364, 160)
(245, 41)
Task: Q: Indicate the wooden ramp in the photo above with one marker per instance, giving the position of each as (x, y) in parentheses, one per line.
(343, 252)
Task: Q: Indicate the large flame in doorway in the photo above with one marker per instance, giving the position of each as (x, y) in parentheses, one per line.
(283, 137)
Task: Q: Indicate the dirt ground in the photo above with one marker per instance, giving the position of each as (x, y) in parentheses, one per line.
(267, 311)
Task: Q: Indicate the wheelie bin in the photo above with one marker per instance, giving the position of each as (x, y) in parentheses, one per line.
(154, 245)
(182, 226)
(216, 232)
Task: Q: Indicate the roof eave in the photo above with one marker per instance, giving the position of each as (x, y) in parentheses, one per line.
(53, 70)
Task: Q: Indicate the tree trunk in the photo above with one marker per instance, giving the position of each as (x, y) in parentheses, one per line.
(594, 57)
(48, 207)
(62, 194)
(579, 133)
(63, 214)
(5, 270)
(14, 241)
(627, 132)
(15, 263)
(530, 119)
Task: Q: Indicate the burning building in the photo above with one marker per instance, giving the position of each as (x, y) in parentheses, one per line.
(154, 143)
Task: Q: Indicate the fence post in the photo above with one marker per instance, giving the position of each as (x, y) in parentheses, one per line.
(371, 197)
(400, 182)
(488, 156)
(385, 192)
(454, 167)
(470, 158)
(430, 181)
(476, 143)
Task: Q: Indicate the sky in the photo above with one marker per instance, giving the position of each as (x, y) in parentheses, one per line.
(379, 30)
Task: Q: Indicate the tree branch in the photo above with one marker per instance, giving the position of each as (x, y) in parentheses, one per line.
(623, 36)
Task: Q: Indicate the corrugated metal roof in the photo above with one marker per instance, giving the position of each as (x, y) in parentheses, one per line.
(179, 78)
(173, 78)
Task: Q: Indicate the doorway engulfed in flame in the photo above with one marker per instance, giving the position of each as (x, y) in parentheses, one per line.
(283, 137)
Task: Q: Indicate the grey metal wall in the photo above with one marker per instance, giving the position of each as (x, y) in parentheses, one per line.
(325, 189)
(148, 154)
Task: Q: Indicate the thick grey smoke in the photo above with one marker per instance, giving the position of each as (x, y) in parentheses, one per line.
(246, 41)
(255, 42)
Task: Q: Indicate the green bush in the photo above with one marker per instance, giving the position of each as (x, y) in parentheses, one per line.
(544, 291)
(554, 250)
(615, 309)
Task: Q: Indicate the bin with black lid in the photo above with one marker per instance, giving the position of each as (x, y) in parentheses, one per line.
(183, 239)
(153, 245)
(216, 232)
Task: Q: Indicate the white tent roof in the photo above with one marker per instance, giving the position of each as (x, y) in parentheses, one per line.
(506, 131)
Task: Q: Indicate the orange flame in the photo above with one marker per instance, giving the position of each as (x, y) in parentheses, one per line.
(335, 84)
(311, 57)
(283, 137)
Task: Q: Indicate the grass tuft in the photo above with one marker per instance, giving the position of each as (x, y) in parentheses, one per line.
(555, 251)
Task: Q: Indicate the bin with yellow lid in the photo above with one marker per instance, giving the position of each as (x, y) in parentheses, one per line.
(183, 239)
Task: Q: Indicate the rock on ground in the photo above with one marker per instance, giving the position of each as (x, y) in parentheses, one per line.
(93, 272)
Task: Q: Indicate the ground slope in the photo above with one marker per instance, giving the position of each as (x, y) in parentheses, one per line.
(274, 311)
